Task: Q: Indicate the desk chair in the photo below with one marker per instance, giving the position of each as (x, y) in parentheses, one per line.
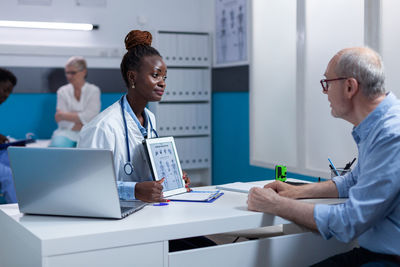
(2, 199)
(7, 191)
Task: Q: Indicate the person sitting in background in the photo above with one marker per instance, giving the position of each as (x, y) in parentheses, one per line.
(77, 103)
(7, 83)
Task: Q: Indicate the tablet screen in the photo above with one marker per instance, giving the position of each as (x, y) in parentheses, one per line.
(166, 165)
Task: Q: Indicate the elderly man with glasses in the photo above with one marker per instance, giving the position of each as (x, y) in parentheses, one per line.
(355, 88)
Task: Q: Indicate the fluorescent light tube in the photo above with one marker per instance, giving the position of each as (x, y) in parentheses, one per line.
(48, 25)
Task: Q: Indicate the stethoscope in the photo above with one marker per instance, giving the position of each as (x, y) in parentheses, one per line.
(128, 168)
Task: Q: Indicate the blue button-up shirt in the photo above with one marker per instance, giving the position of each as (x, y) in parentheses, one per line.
(372, 212)
(126, 190)
(143, 129)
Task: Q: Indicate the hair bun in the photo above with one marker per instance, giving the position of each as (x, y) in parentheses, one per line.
(136, 37)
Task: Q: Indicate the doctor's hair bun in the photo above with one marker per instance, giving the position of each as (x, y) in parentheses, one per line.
(138, 44)
(136, 37)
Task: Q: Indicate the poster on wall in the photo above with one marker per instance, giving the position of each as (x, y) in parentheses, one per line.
(231, 32)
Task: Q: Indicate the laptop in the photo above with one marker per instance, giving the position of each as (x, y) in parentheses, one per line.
(68, 182)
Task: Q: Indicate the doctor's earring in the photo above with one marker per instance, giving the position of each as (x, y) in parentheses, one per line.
(133, 86)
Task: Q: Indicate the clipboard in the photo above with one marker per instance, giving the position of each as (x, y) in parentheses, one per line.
(17, 143)
(197, 196)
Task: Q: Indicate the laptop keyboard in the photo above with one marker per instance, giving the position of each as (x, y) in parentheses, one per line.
(129, 207)
(125, 209)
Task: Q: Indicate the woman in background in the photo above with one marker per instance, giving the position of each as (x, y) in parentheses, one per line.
(78, 102)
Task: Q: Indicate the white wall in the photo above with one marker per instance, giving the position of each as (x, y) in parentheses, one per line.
(290, 121)
(323, 28)
(273, 83)
(325, 136)
(103, 47)
(390, 43)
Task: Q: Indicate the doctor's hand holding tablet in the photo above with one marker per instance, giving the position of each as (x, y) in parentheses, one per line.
(124, 125)
(153, 190)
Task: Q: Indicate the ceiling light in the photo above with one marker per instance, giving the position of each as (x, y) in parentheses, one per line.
(48, 25)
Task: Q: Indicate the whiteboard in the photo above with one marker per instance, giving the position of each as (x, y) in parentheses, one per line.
(290, 121)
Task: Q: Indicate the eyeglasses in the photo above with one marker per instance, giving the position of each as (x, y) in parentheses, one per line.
(71, 72)
(325, 83)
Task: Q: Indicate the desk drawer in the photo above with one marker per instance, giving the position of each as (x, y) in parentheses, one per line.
(300, 249)
(141, 255)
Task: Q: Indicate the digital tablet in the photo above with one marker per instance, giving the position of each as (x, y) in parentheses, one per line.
(164, 163)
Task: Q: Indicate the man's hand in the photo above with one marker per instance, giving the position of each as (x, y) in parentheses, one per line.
(283, 189)
(150, 191)
(267, 200)
(187, 181)
(263, 199)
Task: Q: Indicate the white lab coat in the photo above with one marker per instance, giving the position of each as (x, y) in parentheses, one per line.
(87, 107)
(107, 131)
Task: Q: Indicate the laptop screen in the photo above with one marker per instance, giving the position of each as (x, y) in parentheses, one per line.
(65, 181)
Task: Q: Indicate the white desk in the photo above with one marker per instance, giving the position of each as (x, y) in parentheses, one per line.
(141, 239)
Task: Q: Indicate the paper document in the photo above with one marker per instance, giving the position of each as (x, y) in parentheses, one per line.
(245, 187)
(238, 187)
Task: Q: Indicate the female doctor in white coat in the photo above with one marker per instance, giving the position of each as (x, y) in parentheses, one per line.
(123, 126)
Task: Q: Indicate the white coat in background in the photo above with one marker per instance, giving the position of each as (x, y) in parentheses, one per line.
(107, 131)
(87, 107)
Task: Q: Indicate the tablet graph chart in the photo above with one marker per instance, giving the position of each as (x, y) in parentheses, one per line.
(166, 165)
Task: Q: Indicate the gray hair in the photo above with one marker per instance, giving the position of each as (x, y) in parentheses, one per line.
(77, 62)
(366, 66)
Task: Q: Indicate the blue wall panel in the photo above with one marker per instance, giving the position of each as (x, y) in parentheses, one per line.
(230, 137)
(34, 113)
(24, 113)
